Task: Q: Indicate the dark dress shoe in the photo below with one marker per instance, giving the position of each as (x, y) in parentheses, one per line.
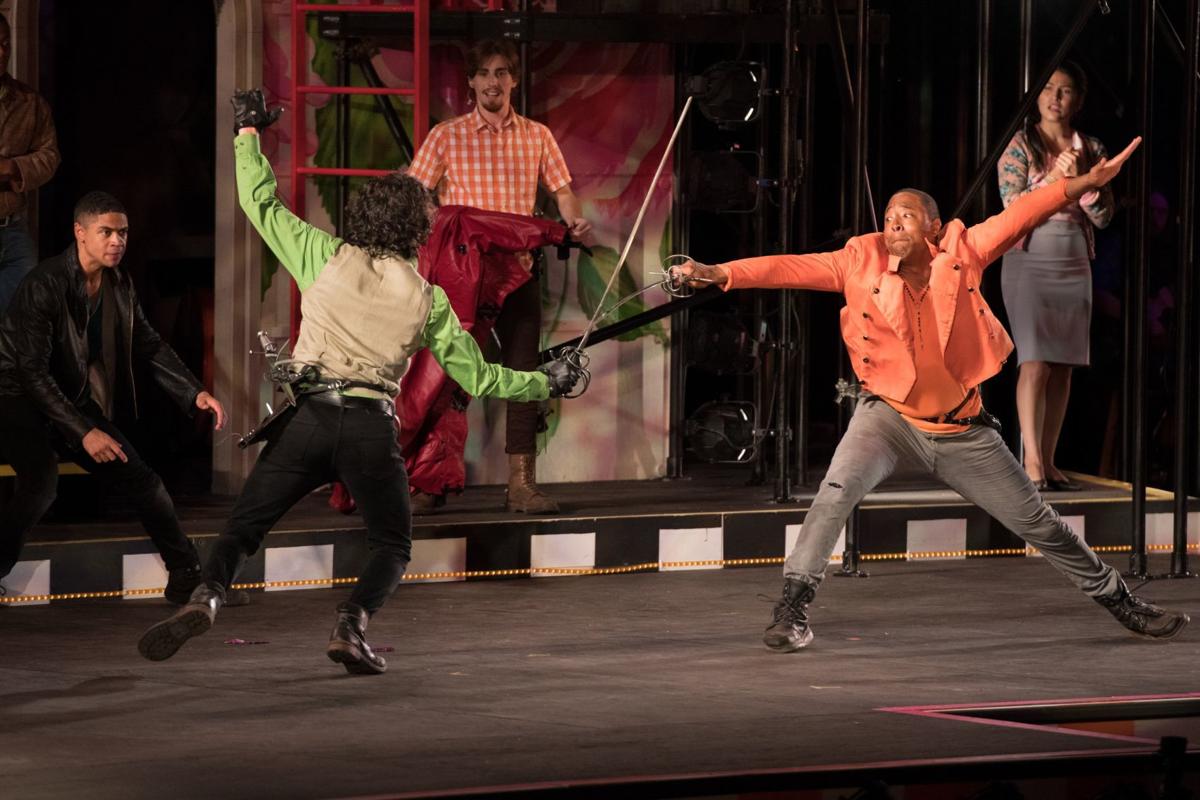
(348, 644)
(161, 641)
(1064, 485)
(182, 582)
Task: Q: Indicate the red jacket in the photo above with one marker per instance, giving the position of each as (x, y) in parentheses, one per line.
(471, 254)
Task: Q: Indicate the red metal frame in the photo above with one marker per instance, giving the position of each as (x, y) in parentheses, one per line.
(301, 89)
(354, 90)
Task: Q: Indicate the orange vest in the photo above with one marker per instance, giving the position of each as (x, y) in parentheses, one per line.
(875, 324)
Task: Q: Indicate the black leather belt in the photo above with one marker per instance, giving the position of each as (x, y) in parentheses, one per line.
(948, 417)
(983, 418)
(333, 398)
(10, 219)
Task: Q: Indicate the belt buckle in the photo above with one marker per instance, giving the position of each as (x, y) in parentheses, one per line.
(9, 220)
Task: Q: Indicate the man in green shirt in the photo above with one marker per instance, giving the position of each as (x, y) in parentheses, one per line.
(365, 310)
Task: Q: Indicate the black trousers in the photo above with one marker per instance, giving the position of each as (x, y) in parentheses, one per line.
(33, 448)
(314, 444)
(519, 328)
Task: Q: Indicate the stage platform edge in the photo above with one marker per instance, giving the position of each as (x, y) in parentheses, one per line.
(709, 522)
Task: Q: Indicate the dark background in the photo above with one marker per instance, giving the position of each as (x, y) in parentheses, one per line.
(131, 84)
(923, 101)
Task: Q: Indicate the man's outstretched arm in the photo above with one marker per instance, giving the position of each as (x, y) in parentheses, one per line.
(459, 354)
(169, 371)
(818, 271)
(994, 236)
(301, 248)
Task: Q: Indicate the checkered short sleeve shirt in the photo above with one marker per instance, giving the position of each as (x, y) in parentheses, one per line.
(471, 163)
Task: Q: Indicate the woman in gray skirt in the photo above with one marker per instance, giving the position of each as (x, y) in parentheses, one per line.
(1047, 278)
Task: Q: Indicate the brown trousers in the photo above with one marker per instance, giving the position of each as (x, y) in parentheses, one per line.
(519, 328)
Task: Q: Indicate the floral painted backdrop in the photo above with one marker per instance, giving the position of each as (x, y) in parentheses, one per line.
(611, 108)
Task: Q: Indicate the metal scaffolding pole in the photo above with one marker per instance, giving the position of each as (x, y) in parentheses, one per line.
(854, 86)
(1030, 100)
(758, 475)
(1025, 24)
(677, 378)
(1128, 255)
(804, 239)
(860, 188)
(983, 82)
(783, 394)
(1136, 305)
(1184, 371)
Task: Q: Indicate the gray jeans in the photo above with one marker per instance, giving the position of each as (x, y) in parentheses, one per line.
(975, 463)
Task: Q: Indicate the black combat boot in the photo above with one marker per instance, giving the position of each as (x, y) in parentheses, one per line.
(348, 645)
(182, 582)
(1142, 618)
(789, 629)
(161, 641)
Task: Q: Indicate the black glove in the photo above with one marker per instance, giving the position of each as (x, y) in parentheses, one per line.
(250, 110)
(562, 375)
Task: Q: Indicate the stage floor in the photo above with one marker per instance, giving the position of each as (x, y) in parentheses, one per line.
(558, 680)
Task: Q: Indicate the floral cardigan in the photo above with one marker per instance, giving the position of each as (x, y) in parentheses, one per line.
(1018, 177)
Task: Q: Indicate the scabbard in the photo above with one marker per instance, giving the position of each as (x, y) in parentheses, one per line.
(259, 432)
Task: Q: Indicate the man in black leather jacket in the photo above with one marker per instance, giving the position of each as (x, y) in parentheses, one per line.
(67, 349)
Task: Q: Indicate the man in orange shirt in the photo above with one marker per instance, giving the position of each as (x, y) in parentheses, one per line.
(922, 339)
(493, 158)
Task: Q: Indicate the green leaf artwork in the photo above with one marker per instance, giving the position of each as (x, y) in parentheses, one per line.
(370, 144)
(593, 274)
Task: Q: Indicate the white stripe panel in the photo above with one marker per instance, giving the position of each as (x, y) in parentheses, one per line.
(28, 578)
(935, 535)
(438, 555)
(304, 563)
(1075, 522)
(1160, 528)
(143, 571)
(791, 535)
(691, 544)
(561, 550)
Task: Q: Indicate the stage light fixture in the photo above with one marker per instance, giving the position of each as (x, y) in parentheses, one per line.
(720, 343)
(729, 92)
(723, 432)
(724, 181)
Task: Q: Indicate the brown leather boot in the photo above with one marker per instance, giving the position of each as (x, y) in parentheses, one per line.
(523, 494)
(423, 503)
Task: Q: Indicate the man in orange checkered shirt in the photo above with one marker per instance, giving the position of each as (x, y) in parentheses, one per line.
(493, 158)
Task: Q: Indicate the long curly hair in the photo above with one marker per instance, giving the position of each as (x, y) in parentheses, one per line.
(389, 216)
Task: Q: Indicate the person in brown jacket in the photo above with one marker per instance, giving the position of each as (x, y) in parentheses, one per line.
(28, 158)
